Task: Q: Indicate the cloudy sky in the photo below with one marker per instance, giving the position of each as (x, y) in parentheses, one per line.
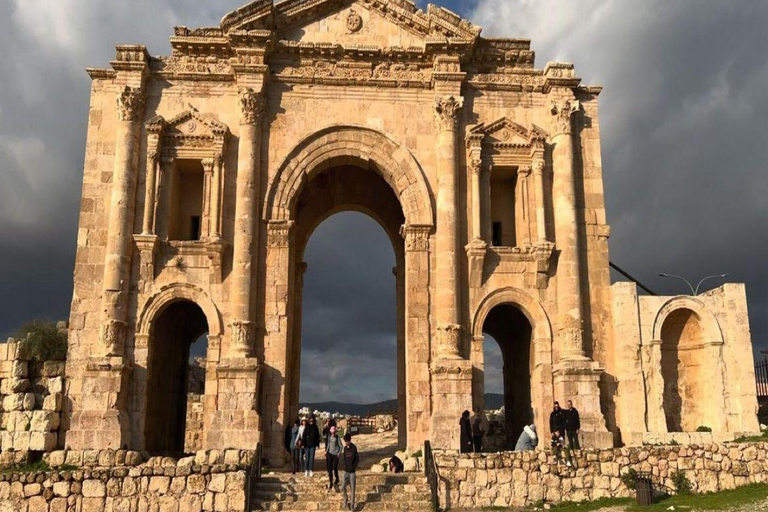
(684, 121)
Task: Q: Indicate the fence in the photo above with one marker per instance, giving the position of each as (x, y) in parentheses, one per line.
(761, 378)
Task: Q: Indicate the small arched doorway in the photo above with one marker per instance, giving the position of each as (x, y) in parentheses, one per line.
(682, 371)
(510, 329)
(170, 376)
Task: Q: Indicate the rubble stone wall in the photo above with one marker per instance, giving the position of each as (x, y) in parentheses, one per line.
(120, 480)
(523, 478)
(31, 398)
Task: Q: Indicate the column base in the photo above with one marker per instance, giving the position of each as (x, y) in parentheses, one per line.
(236, 424)
(102, 421)
(579, 380)
(452, 395)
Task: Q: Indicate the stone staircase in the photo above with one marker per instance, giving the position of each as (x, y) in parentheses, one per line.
(379, 492)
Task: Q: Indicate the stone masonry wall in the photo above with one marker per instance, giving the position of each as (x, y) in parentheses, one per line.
(31, 394)
(524, 478)
(128, 481)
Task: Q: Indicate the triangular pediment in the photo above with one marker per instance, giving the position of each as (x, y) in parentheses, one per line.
(192, 123)
(506, 131)
(380, 23)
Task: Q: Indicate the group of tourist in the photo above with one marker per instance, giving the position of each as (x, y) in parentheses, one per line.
(302, 442)
(564, 424)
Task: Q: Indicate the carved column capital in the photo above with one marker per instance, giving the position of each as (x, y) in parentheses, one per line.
(476, 164)
(562, 113)
(241, 335)
(112, 335)
(524, 170)
(448, 338)
(208, 164)
(416, 237)
(252, 106)
(537, 166)
(279, 233)
(448, 113)
(130, 103)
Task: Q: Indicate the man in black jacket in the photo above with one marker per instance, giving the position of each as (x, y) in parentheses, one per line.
(465, 433)
(572, 426)
(557, 420)
(351, 459)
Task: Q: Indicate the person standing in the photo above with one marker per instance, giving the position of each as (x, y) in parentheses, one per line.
(557, 420)
(465, 437)
(477, 431)
(302, 449)
(295, 450)
(572, 426)
(311, 442)
(351, 460)
(333, 449)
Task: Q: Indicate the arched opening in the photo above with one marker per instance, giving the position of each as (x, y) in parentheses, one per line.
(508, 328)
(348, 342)
(171, 378)
(681, 339)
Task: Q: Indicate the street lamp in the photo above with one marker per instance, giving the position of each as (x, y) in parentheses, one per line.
(695, 291)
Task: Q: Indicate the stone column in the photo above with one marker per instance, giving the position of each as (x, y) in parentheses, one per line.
(214, 230)
(576, 377)
(242, 327)
(205, 221)
(537, 167)
(569, 287)
(522, 214)
(476, 168)
(153, 169)
(447, 115)
(402, 410)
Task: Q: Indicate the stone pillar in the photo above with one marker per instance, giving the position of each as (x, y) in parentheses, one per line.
(537, 167)
(476, 168)
(417, 331)
(522, 213)
(576, 377)
(402, 414)
(214, 230)
(153, 169)
(279, 326)
(205, 221)
(119, 249)
(447, 115)
(242, 328)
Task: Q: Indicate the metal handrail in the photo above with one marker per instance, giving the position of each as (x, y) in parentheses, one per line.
(430, 471)
(253, 477)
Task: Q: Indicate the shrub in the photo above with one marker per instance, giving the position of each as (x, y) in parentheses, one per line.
(630, 479)
(42, 341)
(702, 428)
(681, 483)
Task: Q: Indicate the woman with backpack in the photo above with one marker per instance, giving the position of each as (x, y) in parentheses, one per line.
(311, 440)
(294, 449)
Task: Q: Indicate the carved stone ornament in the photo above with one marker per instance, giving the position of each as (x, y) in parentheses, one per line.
(279, 233)
(354, 21)
(538, 166)
(448, 337)
(562, 114)
(130, 103)
(447, 113)
(112, 334)
(476, 164)
(241, 333)
(416, 238)
(251, 105)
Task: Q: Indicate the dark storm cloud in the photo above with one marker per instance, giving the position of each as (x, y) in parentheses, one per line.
(683, 116)
(685, 152)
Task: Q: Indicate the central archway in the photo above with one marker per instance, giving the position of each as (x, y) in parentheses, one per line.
(338, 169)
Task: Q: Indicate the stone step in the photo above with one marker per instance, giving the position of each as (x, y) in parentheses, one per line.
(363, 486)
(332, 506)
(334, 496)
(383, 478)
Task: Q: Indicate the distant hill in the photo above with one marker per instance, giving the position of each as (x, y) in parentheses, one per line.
(492, 401)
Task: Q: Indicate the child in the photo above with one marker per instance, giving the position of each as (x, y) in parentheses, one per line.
(558, 448)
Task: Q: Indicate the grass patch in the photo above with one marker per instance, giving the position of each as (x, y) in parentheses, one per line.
(31, 467)
(724, 500)
(585, 506)
(753, 439)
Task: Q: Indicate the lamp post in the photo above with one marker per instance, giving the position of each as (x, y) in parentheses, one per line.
(695, 291)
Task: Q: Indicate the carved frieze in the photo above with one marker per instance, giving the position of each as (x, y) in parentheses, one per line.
(193, 67)
(416, 237)
(279, 233)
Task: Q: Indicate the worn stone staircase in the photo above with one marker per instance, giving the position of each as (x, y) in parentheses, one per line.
(375, 492)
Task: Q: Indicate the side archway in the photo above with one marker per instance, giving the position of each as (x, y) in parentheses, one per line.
(711, 332)
(351, 145)
(167, 295)
(521, 326)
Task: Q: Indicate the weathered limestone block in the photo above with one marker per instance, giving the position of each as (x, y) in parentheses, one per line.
(14, 402)
(29, 401)
(44, 421)
(94, 489)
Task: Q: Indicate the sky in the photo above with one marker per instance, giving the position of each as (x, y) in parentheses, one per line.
(684, 117)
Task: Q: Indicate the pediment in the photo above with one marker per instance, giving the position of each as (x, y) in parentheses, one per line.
(192, 123)
(506, 131)
(380, 23)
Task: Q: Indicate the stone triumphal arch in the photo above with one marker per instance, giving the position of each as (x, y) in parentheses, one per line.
(207, 171)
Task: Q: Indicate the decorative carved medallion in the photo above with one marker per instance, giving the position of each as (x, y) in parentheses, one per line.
(354, 21)
(562, 114)
(447, 112)
(251, 105)
(130, 103)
